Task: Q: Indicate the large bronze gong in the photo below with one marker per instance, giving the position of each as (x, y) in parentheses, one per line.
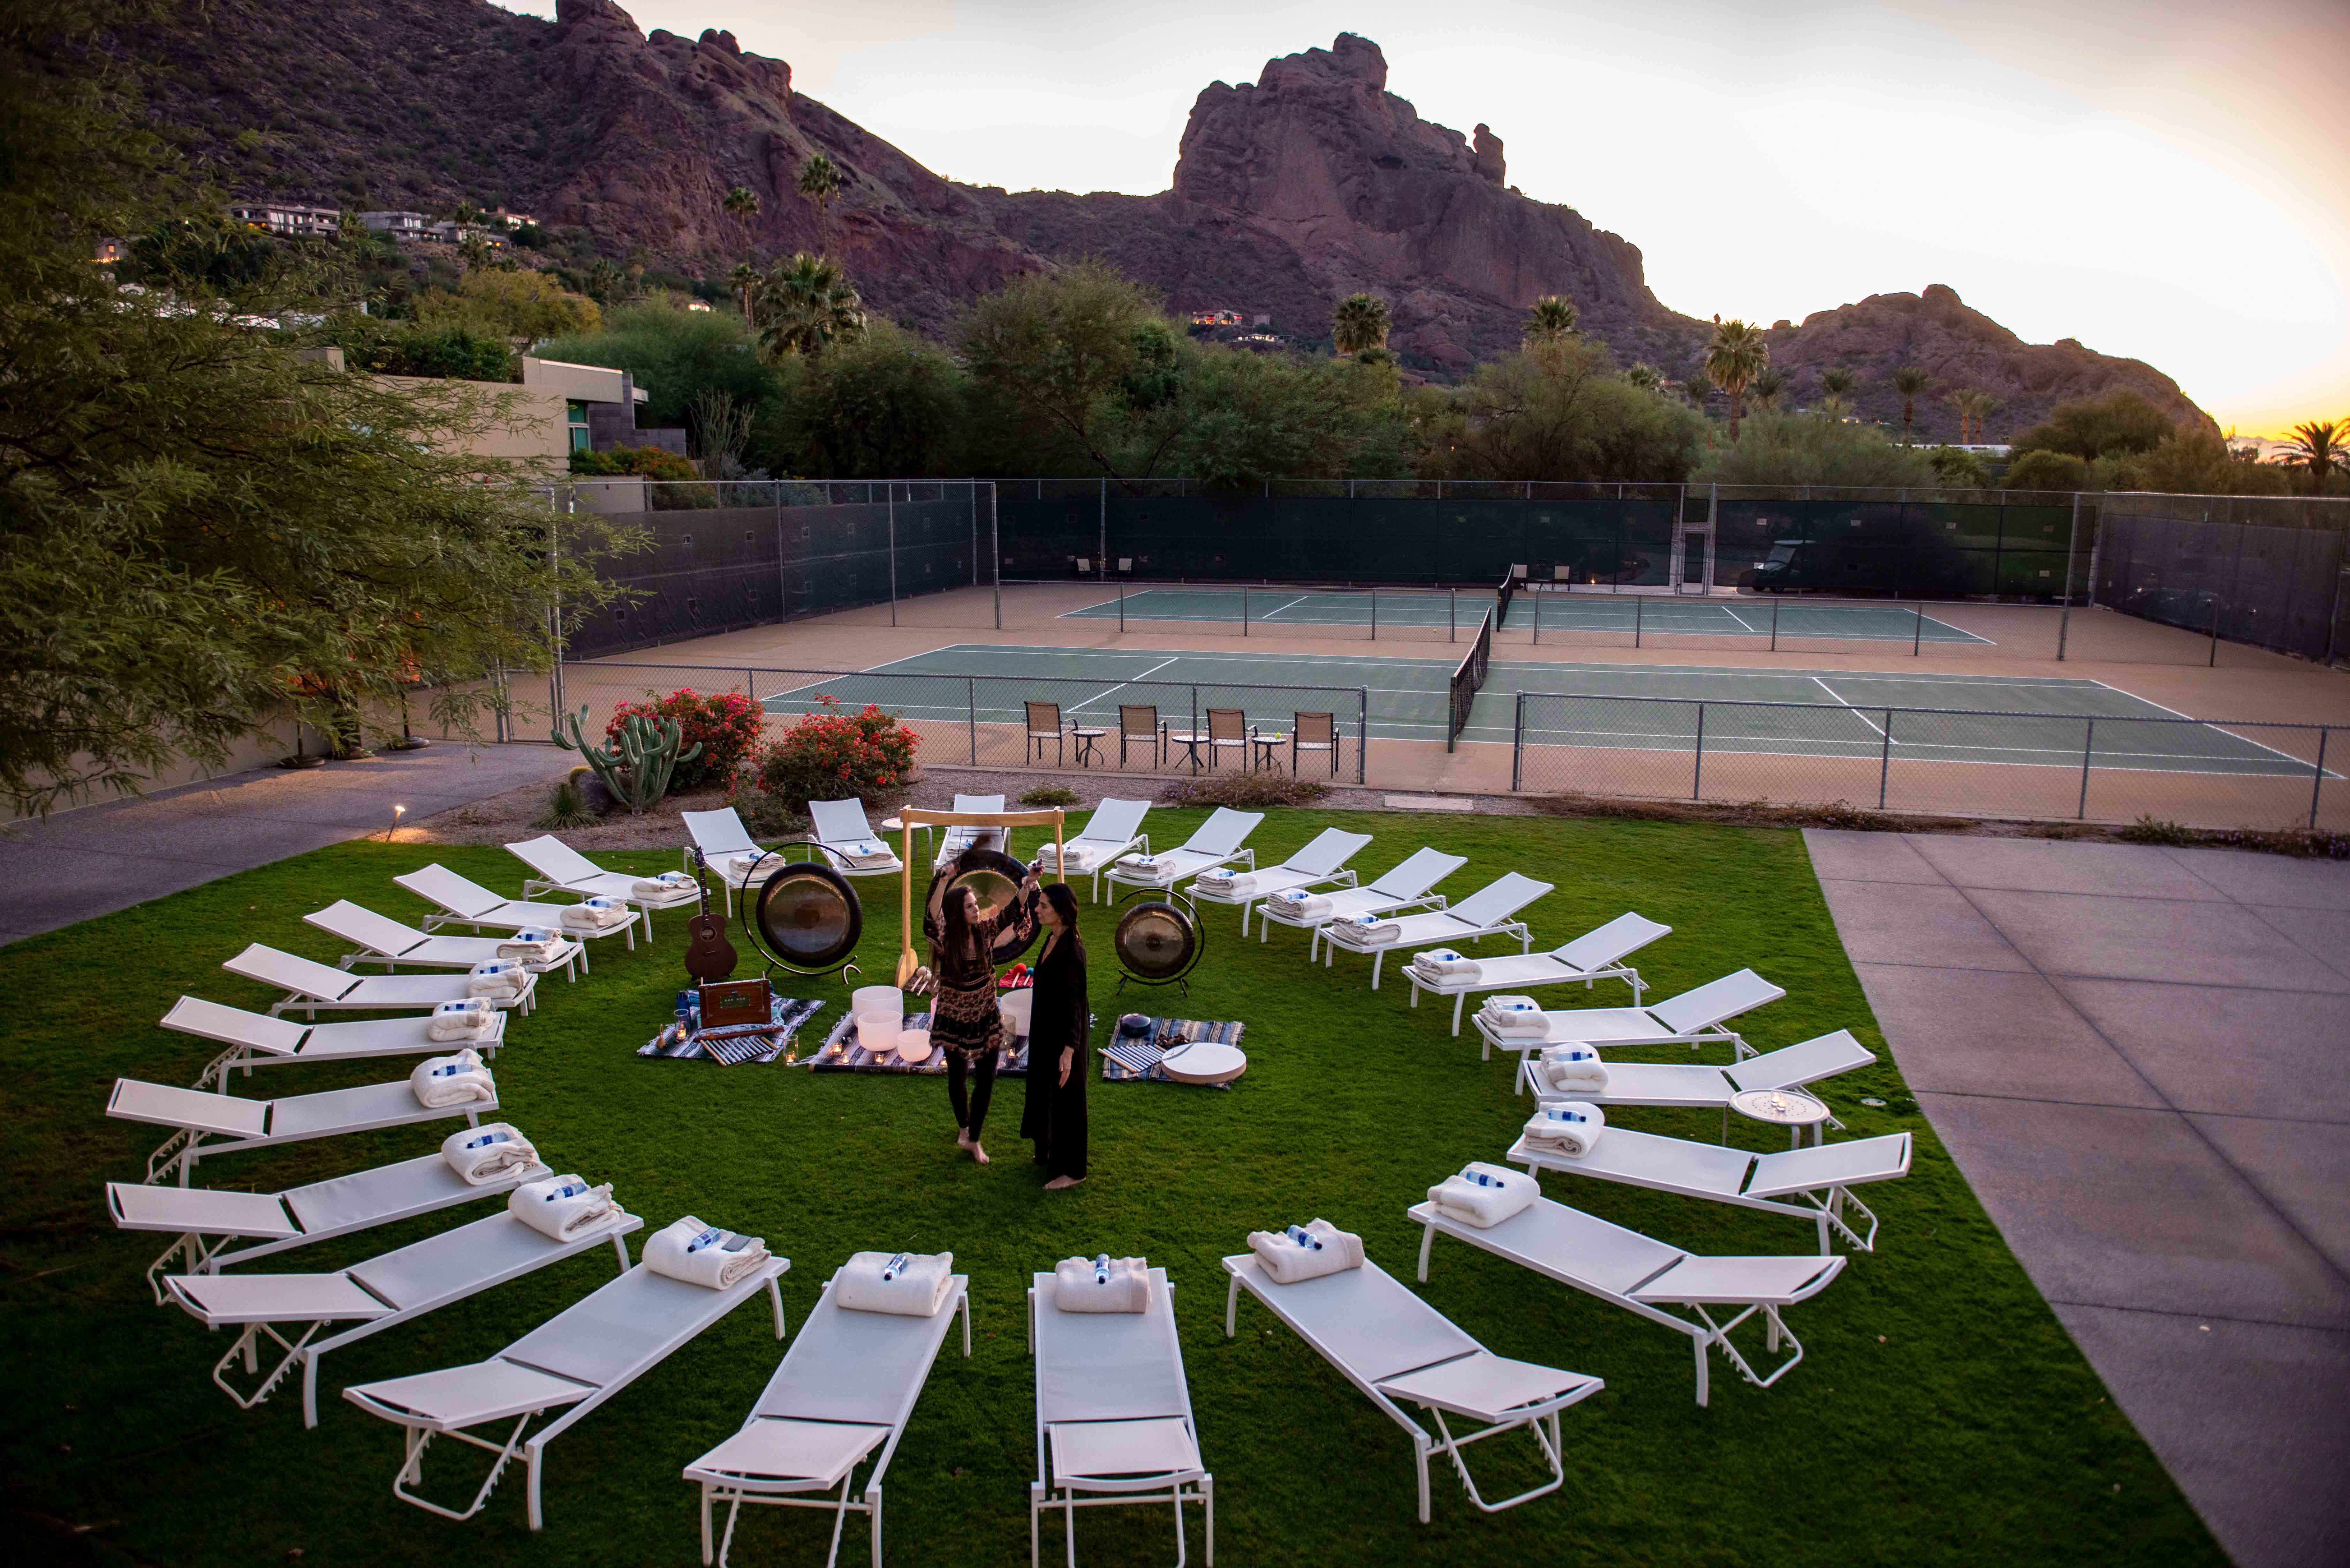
(994, 878)
(806, 918)
(1159, 942)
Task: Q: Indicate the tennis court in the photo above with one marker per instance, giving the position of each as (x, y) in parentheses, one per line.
(1825, 713)
(1654, 615)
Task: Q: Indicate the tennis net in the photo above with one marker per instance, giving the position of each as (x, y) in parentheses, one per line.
(1469, 678)
(1502, 599)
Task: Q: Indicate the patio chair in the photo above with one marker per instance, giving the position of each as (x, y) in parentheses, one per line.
(1819, 1180)
(1216, 843)
(1395, 1349)
(1313, 732)
(1320, 864)
(1595, 956)
(1694, 1018)
(559, 868)
(1404, 885)
(467, 903)
(1139, 724)
(1693, 1087)
(422, 1277)
(239, 1123)
(1046, 724)
(384, 940)
(1113, 1416)
(955, 840)
(310, 985)
(736, 860)
(1489, 911)
(1229, 730)
(1115, 828)
(580, 1357)
(257, 1039)
(848, 841)
(846, 1387)
(277, 1221)
(1645, 1276)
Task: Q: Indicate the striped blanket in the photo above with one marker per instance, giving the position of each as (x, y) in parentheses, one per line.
(736, 1045)
(1135, 1060)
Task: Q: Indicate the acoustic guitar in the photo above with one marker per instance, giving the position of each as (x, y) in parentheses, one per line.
(709, 956)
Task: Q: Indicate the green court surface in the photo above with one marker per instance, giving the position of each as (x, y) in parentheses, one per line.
(1968, 718)
(1650, 613)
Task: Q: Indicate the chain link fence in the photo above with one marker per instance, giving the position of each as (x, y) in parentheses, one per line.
(2269, 571)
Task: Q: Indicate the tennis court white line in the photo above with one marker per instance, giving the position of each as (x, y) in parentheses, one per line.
(1739, 618)
(1122, 685)
(2207, 723)
(1290, 605)
(1856, 712)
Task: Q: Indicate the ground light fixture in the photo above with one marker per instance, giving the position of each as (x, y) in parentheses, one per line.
(397, 812)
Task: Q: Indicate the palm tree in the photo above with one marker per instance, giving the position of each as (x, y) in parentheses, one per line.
(1767, 389)
(1835, 383)
(1359, 324)
(1645, 375)
(2318, 446)
(1551, 320)
(1909, 381)
(805, 306)
(1733, 359)
(1979, 404)
(1962, 402)
(742, 204)
(820, 182)
(1697, 388)
(746, 278)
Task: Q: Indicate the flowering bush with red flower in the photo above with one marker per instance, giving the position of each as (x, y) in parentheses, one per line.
(726, 724)
(832, 754)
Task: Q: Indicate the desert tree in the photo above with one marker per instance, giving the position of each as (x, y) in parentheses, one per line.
(819, 181)
(1767, 389)
(807, 304)
(1550, 319)
(2317, 447)
(1733, 357)
(1359, 324)
(1910, 381)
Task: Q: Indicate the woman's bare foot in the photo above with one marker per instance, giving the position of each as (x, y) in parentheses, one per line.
(962, 1137)
(1062, 1183)
(978, 1153)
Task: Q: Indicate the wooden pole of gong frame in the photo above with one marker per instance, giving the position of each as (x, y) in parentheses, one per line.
(911, 817)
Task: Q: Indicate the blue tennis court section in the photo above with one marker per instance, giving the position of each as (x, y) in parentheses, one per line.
(1654, 615)
(1825, 713)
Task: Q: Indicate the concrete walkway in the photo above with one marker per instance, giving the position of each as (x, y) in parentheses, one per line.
(107, 857)
(2140, 1058)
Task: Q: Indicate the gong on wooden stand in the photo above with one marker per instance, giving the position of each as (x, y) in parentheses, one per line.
(994, 877)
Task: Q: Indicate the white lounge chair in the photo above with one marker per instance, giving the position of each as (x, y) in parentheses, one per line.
(580, 1357)
(467, 903)
(409, 1283)
(1694, 1087)
(559, 868)
(1646, 1276)
(258, 1039)
(1217, 843)
(1321, 863)
(1115, 828)
(1489, 911)
(1405, 886)
(310, 985)
(1113, 1416)
(1396, 1349)
(847, 1387)
(277, 1221)
(1694, 1018)
(720, 836)
(384, 940)
(851, 847)
(1819, 1180)
(239, 1124)
(953, 841)
(1595, 956)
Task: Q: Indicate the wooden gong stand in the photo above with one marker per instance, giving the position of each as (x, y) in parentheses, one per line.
(912, 818)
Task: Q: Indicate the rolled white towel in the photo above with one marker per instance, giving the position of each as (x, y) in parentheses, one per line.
(1516, 1018)
(563, 1207)
(1570, 1127)
(1299, 906)
(1306, 1251)
(474, 1019)
(1225, 882)
(668, 885)
(867, 852)
(1101, 1284)
(911, 1284)
(484, 1154)
(753, 868)
(532, 945)
(595, 915)
(1071, 858)
(451, 1081)
(1443, 963)
(497, 979)
(1575, 1068)
(1372, 928)
(703, 1254)
(1156, 867)
(1483, 1195)
(1499, 1006)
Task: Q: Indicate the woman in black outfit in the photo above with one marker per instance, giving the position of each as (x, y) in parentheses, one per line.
(965, 1021)
(1059, 1059)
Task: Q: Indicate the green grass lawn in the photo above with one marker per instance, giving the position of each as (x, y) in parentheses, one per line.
(1942, 1414)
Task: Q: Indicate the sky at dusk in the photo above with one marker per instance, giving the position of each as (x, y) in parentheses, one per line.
(2160, 180)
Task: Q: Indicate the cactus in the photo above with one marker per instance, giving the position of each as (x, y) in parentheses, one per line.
(645, 756)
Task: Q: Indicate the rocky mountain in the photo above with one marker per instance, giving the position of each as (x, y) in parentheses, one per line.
(1290, 193)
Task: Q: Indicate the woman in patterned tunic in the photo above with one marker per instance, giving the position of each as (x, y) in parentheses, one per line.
(965, 1021)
